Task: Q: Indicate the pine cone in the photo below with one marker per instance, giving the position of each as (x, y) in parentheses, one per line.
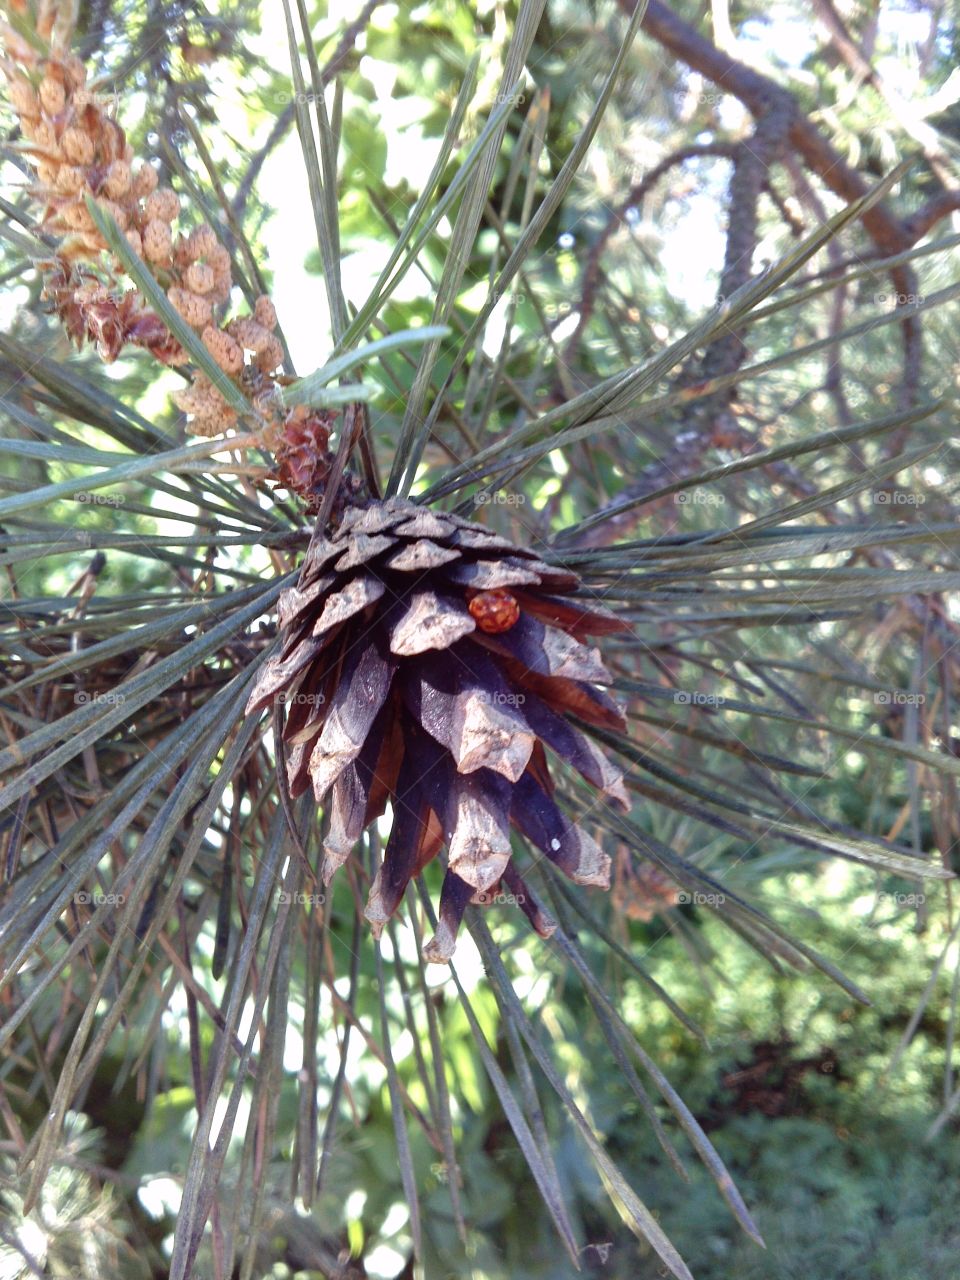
(303, 459)
(428, 662)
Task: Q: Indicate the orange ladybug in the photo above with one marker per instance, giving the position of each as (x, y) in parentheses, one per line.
(494, 611)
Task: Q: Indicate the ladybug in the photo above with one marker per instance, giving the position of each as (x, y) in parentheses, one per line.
(494, 611)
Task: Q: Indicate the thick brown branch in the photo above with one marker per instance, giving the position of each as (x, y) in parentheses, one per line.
(760, 95)
(928, 215)
(751, 169)
(764, 97)
(903, 111)
(781, 127)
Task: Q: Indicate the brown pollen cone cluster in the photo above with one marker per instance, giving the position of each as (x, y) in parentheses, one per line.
(429, 663)
(78, 151)
(303, 458)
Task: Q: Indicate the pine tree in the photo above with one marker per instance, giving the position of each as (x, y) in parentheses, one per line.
(436, 689)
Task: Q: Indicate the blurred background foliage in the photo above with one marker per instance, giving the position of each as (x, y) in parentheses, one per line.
(836, 1119)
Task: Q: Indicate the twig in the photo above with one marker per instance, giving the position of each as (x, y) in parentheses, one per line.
(334, 65)
(763, 96)
(592, 267)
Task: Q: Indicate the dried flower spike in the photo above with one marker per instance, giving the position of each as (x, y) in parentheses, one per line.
(80, 152)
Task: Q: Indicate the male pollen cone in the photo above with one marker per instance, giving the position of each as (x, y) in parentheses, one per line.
(428, 662)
